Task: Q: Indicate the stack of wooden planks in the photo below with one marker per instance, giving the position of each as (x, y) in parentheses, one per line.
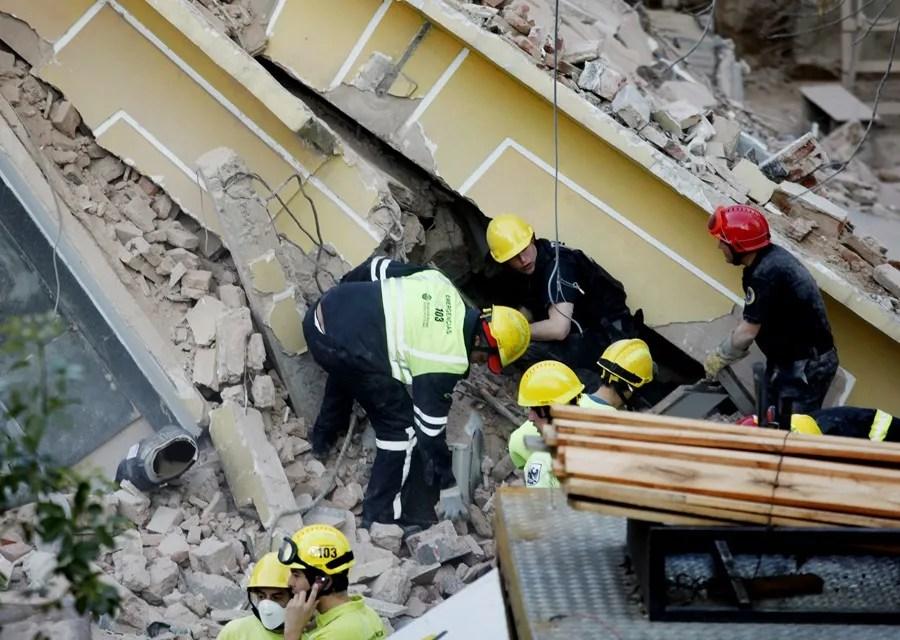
(692, 472)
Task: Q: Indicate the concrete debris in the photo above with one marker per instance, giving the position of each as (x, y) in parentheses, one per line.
(252, 467)
(392, 586)
(759, 187)
(440, 543)
(888, 276)
(422, 574)
(232, 297)
(132, 503)
(263, 392)
(385, 609)
(218, 591)
(204, 373)
(196, 283)
(448, 581)
(868, 248)
(233, 329)
(693, 93)
(348, 496)
(203, 318)
(599, 78)
(632, 107)
(387, 536)
(256, 351)
(213, 556)
(799, 229)
(164, 575)
(131, 570)
(175, 547)
(65, 118)
(796, 161)
(361, 572)
(164, 519)
(676, 117)
(139, 212)
(796, 200)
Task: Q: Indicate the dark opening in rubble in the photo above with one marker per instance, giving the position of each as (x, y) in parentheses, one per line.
(455, 234)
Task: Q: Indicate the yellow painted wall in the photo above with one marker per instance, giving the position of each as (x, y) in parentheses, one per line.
(482, 105)
(49, 18)
(169, 104)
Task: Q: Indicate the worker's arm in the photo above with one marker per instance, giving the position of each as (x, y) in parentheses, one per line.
(744, 334)
(557, 325)
(381, 268)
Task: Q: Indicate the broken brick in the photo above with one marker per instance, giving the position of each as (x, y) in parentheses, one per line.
(140, 213)
(195, 283)
(213, 556)
(256, 350)
(178, 237)
(263, 392)
(797, 160)
(632, 107)
(233, 328)
(601, 79)
(164, 519)
(888, 276)
(204, 373)
(65, 117)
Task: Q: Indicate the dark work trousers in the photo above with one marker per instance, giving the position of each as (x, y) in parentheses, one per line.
(396, 491)
(806, 381)
(580, 351)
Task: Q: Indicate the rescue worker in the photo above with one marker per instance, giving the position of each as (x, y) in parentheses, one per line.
(783, 312)
(268, 593)
(319, 559)
(850, 422)
(626, 365)
(385, 326)
(577, 308)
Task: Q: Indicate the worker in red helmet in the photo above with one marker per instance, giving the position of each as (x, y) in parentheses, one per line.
(783, 312)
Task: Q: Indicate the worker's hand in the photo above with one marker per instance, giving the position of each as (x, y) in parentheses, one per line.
(450, 506)
(722, 356)
(299, 611)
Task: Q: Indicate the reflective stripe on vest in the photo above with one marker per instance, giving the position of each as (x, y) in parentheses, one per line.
(880, 425)
(424, 316)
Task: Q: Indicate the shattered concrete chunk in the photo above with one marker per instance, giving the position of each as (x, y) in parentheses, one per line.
(796, 200)
(175, 547)
(263, 392)
(107, 169)
(693, 93)
(252, 468)
(480, 522)
(361, 572)
(202, 319)
(140, 213)
(164, 519)
(868, 248)
(233, 328)
(601, 79)
(348, 496)
(267, 274)
(448, 581)
(178, 237)
(386, 609)
(163, 206)
(133, 504)
(164, 576)
(440, 543)
(727, 132)
(387, 536)
(759, 187)
(888, 276)
(204, 373)
(65, 117)
(213, 556)
(799, 229)
(678, 116)
(232, 296)
(632, 107)
(256, 350)
(392, 586)
(422, 574)
(196, 283)
(131, 570)
(796, 161)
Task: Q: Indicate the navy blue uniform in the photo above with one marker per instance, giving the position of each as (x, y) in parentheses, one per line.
(782, 297)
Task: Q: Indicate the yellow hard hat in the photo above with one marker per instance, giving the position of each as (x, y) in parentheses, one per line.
(507, 236)
(518, 452)
(627, 361)
(801, 423)
(269, 572)
(548, 382)
(510, 334)
(318, 546)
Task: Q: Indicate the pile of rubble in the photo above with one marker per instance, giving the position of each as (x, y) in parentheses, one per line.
(691, 110)
(181, 569)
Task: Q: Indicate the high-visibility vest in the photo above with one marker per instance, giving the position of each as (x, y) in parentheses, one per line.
(424, 316)
(880, 425)
(539, 466)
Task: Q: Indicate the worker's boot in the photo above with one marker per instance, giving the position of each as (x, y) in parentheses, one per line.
(159, 458)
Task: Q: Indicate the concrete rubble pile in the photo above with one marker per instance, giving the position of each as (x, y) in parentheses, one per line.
(181, 566)
(692, 111)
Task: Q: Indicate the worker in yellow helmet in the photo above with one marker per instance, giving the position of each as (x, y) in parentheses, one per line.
(577, 308)
(319, 558)
(626, 365)
(388, 326)
(850, 422)
(269, 594)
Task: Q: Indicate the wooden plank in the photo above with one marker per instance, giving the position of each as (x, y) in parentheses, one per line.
(649, 515)
(570, 412)
(821, 448)
(727, 481)
(742, 459)
(745, 511)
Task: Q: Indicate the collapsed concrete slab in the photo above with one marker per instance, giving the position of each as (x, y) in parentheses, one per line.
(252, 468)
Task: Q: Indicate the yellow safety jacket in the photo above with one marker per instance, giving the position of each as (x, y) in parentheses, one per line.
(539, 464)
(353, 620)
(247, 628)
(424, 317)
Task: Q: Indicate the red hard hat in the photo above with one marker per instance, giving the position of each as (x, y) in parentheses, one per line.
(741, 227)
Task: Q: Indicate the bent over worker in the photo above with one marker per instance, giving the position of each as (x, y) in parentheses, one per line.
(319, 559)
(625, 365)
(577, 308)
(385, 326)
(783, 312)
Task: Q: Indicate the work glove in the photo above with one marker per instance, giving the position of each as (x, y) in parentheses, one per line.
(722, 356)
(450, 505)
